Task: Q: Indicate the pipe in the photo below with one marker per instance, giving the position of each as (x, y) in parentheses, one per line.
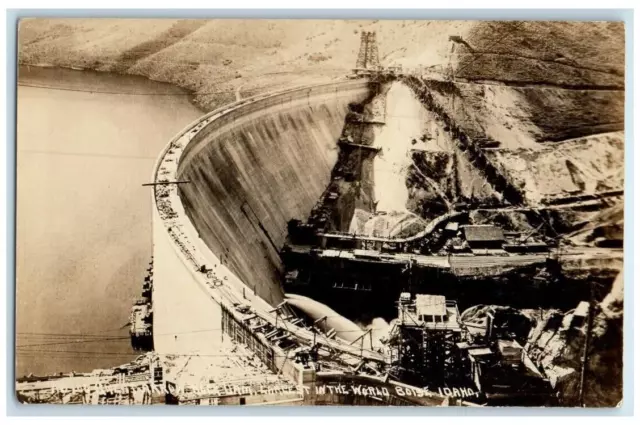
(345, 328)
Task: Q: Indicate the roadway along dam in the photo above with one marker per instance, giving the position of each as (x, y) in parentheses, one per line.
(252, 166)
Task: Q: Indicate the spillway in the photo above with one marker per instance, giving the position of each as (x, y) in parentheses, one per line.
(405, 118)
(251, 167)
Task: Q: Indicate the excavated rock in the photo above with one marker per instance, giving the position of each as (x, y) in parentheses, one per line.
(557, 346)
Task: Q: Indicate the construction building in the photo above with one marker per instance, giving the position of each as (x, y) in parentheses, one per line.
(493, 357)
(424, 338)
(483, 237)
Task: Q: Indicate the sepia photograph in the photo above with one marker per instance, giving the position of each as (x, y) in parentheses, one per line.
(306, 212)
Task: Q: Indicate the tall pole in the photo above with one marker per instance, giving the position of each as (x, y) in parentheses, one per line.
(587, 343)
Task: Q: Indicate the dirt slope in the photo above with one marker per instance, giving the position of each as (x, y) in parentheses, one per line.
(208, 55)
(557, 345)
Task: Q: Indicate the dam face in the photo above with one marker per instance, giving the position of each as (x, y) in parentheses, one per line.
(251, 170)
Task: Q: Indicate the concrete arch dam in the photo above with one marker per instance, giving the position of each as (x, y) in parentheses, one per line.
(251, 166)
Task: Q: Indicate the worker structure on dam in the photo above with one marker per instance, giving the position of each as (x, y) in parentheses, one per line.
(364, 241)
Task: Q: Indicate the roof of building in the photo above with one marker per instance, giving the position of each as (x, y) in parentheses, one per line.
(452, 225)
(582, 309)
(482, 232)
(484, 351)
(509, 345)
(488, 251)
(434, 305)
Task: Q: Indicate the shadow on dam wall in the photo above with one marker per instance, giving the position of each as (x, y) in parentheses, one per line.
(256, 168)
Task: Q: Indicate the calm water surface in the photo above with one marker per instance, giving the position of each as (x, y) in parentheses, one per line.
(86, 143)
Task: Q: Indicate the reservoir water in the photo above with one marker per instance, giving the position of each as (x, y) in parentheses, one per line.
(86, 143)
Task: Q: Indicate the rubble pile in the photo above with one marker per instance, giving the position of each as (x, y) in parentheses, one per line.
(560, 341)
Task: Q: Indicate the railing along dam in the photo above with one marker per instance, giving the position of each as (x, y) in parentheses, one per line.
(252, 166)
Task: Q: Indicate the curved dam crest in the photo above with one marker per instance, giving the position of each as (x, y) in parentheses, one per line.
(253, 166)
(258, 170)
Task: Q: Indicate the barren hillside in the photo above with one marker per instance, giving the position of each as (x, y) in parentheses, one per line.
(222, 55)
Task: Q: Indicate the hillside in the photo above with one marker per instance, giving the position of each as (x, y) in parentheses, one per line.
(211, 58)
(552, 95)
(222, 55)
